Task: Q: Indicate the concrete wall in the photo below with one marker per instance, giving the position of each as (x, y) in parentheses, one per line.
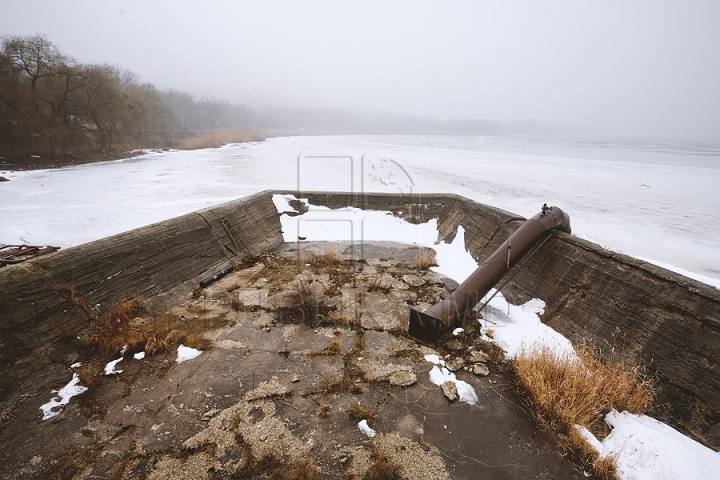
(652, 316)
(45, 303)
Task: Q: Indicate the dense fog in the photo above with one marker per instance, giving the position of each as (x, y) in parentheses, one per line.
(627, 68)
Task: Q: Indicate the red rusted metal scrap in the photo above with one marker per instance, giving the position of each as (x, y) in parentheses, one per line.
(11, 254)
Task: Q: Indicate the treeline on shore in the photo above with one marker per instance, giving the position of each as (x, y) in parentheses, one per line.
(53, 106)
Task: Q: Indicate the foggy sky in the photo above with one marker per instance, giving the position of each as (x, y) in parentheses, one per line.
(637, 67)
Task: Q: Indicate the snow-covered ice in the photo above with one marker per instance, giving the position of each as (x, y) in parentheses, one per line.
(186, 353)
(655, 199)
(63, 397)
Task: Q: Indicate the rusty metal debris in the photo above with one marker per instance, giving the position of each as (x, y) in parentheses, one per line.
(427, 326)
(12, 254)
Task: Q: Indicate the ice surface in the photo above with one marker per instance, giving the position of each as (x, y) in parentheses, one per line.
(657, 199)
(187, 353)
(51, 409)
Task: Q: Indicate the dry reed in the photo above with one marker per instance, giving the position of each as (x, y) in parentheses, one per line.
(425, 259)
(564, 391)
(115, 331)
(218, 138)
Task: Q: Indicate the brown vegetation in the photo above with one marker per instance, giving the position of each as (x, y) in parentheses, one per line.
(220, 137)
(425, 259)
(381, 467)
(564, 391)
(117, 330)
(358, 413)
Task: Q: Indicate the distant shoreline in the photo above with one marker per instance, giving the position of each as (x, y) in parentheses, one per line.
(193, 141)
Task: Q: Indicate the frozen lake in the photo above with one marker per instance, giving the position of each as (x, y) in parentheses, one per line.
(655, 200)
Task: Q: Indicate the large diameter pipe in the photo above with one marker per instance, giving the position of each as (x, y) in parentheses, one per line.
(426, 326)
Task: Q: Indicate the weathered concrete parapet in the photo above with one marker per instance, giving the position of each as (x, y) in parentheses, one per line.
(48, 301)
(650, 315)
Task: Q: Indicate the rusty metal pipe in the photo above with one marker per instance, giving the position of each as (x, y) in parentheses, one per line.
(428, 325)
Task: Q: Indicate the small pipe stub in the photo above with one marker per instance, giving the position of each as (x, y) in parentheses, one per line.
(216, 277)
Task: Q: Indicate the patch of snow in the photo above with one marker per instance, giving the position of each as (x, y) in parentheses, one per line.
(454, 261)
(124, 349)
(465, 391)
(187, 353)
(282, 203)
(365, 428)
(110, 367)
(51, 409)
(139, 356)
(76, 365)
(434, 359)
(519, 327)
(646, 449)
(458, 331)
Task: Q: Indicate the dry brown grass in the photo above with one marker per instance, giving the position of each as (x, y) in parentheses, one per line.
(381, 467)
(358, 413)
(425, 259)
(375, 284)
(333, 348)
(273, 467)
(114, 330)
(218, 138)
(320, 263)
(564, 391)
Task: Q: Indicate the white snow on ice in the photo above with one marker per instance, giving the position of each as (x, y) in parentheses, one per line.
(187, 353)
(51, 408)
(655, 199)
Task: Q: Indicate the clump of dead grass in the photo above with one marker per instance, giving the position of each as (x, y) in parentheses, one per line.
(116, 330)
(274, 466)
(320, 263)
(308, 307)
(333, 348)
(381, 467)
(564, 391)
(425, 259)
(358, 413)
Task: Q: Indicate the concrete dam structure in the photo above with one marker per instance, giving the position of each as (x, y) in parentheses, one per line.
(648, 315)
